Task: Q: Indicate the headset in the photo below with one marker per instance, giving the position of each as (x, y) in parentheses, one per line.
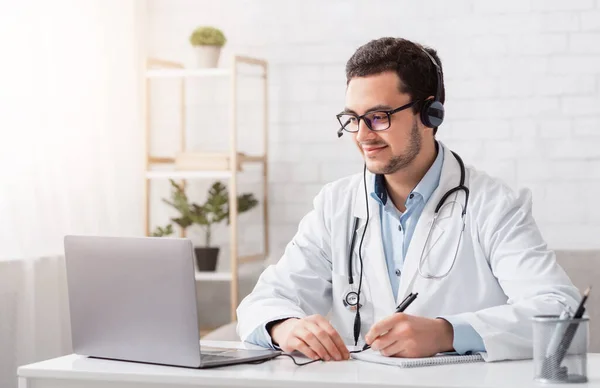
(432, 116)
(432, 111)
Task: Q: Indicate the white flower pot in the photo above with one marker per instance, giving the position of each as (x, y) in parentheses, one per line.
(207, 56)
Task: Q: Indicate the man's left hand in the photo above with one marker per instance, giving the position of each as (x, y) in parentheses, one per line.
(403, 335)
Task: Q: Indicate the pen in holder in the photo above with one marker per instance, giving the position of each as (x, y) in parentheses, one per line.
(560, 346)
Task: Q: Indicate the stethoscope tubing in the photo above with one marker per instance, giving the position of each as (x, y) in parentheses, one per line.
(460, 187)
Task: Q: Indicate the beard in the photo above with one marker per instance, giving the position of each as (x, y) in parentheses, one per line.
(398, 162)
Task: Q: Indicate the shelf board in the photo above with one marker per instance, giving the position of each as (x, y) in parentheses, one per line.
(248, 269)
(251, 258)
(213, 276)
(252, 158)
(241, 156)
(187, 73)
(201, 162)
(187, 174)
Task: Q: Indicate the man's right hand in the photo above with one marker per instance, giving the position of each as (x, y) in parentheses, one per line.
(312, 336)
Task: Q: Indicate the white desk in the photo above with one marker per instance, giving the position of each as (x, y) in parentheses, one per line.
(76, 371)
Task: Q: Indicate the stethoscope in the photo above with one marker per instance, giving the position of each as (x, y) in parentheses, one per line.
(351, 299)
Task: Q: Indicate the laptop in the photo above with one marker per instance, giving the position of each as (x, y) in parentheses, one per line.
(134, 299)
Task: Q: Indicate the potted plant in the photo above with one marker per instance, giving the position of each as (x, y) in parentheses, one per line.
(212, 212)
(207, 41)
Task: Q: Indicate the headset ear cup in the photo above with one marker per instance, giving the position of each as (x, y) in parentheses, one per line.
(432, 113)
(435, 113)
(424, 113)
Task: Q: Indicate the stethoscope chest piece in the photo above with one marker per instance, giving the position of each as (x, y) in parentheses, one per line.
(351, 300)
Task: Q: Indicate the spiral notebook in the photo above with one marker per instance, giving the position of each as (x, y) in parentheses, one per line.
(439, 359)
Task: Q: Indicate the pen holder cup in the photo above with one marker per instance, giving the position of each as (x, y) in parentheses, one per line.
(560, 349)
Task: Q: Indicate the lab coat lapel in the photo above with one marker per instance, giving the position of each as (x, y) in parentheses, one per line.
(376, 277)
(449, 178)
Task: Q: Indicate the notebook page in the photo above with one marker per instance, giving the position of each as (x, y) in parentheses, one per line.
(439, 359)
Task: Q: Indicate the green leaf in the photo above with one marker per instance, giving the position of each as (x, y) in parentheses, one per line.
(246, 202)
(216, 203)
(179, 201)
(198, 215)
(160, 232)
(184, 222)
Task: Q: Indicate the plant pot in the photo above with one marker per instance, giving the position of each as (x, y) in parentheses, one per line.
(207, 56)
(206, 258)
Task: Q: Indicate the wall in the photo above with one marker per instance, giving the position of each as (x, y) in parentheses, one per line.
(70, 123)
(522, 80)
(70, 157)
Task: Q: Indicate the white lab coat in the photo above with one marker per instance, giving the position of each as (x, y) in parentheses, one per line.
(503, 275)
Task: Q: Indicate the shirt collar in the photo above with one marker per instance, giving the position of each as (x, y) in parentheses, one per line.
(424, 188)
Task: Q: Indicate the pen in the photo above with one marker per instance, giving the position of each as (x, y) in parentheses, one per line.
(570, 332)
(406, 302)
(558, 333)
(401, 307)
(581, 307)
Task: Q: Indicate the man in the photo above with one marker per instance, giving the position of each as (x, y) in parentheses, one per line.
(475, 256)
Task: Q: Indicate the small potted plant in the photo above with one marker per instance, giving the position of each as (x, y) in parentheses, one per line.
(207, 41)
(212, 212)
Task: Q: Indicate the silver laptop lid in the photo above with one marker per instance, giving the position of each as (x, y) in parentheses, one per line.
(133, 298)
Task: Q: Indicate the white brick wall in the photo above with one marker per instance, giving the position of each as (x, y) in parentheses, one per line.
(522, 79)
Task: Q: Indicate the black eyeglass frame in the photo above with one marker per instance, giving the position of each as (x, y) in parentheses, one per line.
(389, 113)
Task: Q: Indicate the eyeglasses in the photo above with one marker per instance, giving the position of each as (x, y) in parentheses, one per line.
(376, 121)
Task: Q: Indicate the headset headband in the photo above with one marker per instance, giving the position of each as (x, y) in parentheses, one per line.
(438, 71)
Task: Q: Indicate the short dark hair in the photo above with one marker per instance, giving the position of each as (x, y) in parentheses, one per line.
(417, 74)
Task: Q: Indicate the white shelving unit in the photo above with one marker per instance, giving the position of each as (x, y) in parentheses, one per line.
(232, 161)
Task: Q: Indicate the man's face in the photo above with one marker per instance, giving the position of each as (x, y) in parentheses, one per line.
(390, 150)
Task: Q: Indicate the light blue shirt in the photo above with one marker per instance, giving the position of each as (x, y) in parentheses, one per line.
(397, 230)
